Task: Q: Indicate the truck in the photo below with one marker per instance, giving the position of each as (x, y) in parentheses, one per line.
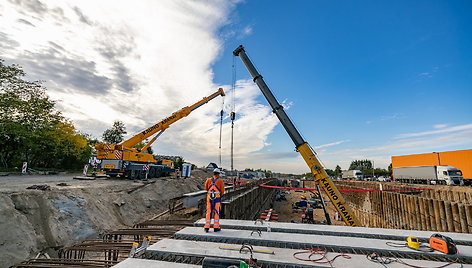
(320, 176)
(352, 174)
(444, 175)
(461, 159)
(124, 160)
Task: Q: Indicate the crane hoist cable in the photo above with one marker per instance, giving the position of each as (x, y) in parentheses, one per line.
(221, 126)
(233, 108)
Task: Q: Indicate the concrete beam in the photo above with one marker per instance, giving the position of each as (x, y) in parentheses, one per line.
(331, 243)
(192, 199)
(282, 257)
(334, 230)
(141, 263)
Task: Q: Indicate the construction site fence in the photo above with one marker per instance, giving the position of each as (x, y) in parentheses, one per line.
(441, 210)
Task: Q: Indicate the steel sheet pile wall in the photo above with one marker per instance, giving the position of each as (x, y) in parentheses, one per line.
(432, 210)
(247, 204)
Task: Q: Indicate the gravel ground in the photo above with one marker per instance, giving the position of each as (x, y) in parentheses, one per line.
(287, 214)
(16, 183)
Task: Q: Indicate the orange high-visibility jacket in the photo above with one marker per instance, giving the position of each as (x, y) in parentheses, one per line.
(219, 183)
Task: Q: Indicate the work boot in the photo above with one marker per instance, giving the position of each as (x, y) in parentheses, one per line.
(217, 229)
(206, 230)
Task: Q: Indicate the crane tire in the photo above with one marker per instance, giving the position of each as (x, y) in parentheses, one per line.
(152, 172)
(142, 174)
(134, 174)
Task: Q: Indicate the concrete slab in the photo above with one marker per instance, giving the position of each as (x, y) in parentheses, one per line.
(282, 257)
(333, 230)
(141, 263)
(192, 199)
(296, 240)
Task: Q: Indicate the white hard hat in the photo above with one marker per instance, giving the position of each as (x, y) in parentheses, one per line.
(216, 170)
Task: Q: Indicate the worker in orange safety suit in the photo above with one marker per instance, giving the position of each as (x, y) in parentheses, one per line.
(215, 189)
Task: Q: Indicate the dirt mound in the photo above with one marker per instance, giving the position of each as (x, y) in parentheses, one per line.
(201, 174)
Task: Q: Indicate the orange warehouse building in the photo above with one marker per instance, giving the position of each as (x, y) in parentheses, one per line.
(461, 159)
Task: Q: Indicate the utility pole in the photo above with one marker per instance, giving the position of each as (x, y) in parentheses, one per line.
(373, 175)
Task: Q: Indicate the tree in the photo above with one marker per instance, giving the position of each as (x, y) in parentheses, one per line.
(338, 171)
(90, 140)
(268, 173)
(361, 165)
(31, 129)
(390, 169)
(308, 175)
(115, 134)
(140, 145)
(330, 172)
(67, 148)
(179, 161)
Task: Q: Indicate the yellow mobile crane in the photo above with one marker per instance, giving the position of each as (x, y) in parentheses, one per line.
(123, 159)
(319, 173)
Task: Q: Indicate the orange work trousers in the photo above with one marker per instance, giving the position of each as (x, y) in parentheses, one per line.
(212, 211)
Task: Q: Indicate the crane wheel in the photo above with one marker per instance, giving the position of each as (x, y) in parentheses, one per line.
(152, 173)
(134, 174)
(142, 175)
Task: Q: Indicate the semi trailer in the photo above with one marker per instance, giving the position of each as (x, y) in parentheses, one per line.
(352, 174)
(445, 175)
(461, 159)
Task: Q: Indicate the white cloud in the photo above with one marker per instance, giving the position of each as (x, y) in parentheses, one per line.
(440, 126)
(459, 137)
(391, 116)
(441, 130)
(330, 144)
(136, 62)
(429, 74)
(247, 30)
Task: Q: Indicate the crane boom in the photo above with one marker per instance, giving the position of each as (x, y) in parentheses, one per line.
(165, 123)
(308, 154)
(124, 160)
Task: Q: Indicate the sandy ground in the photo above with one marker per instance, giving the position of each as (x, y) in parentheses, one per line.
(18, 183)
(287, 214)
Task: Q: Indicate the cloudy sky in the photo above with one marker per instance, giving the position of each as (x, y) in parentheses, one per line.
(360, 81)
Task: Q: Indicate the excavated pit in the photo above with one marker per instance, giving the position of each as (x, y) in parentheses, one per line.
(43, 221)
